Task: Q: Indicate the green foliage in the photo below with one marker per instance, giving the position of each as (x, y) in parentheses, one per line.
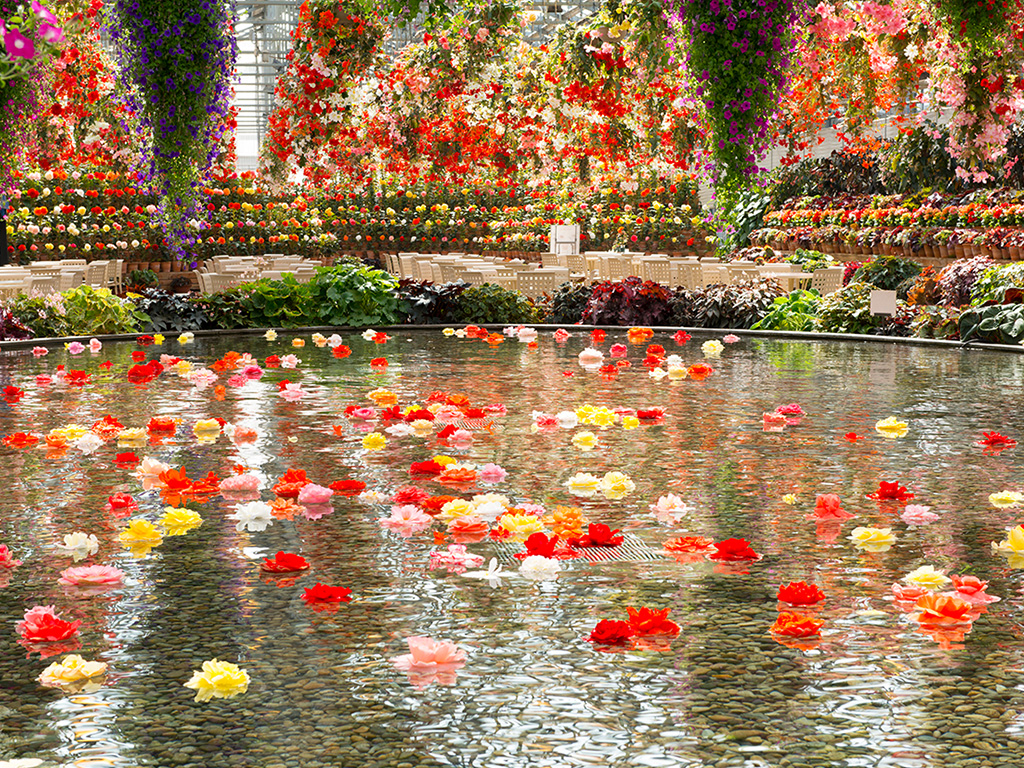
(88, 311)
(848, 310)
(225, 310)
(995, 324)
(494, 304)
(45, 317)
(995, 281)
(888, 273)
(353, 295)
(739, 218)
(568, 303)
(170, 312)
(795, 312)
(142, 278)
(425, 303)
(919, 160)
(810, 260)
(280, 303)
(726, 306)
(936, 322)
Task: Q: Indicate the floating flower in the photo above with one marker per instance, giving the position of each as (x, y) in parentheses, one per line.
(7, 560)
(374, 441)
(1013, 544)
(75, 347)
(891, 427)
(583, 484)
(70, 670)
(567, 522)
(795, 625)
(670, 508)
(585, 441)
(917, 514)
(540, 568)
(253, 516)
(457, 474)
(42, 625)
(270, 335)
(406, 520)
(891, 492)
(712, 348)
(141, 534)
(828, 506)
(689, 545)
(455, 559)
(730, 338)
(291, 391)
(800, 593)
(910, 593)
(927, 577)
(853, 437)
(591, 357)
(430, 661)
(941, 609)
(218, 679)
(873, 539)
(312, 493)
(91, 576)
(492, 473)
(322, 593)
(20, 440)
(240, 483)
(284, 562)
(179, 521)
(993, 442)
(1005, 499)
(611, 632)
(773, 422)
(598, 535)
(520, 527)
(732, 550)
(699, 371)
(79, 545)
(649, 621)
(88, 443)
(40, 351)
(971, 589)
(493, 575)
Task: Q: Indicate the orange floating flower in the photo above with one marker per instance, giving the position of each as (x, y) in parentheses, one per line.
(567, 522)
(794, 625)
(291, 483)
(699, 371)
(284, 509)
(647, 621)
(20, 440)
(942, 609)
(159, 425)
(456, 475)
(639, 335)
(800, 593)
(379, 362)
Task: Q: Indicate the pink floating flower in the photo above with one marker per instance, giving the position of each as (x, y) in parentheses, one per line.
(461, 437)
(793, 409)
(292, 391)
(43, 380)
(591, 356)
(366, 414)
(237, 380)
(243, 482)
(918, 514)
(76, 348)
(455, 559)
(681, 337)
(561, 335)
(312, 493)
(492, 473)
(252, 372)
(618, 350)
(497, 409)
(42, 625)
(908, 593)
(7, 559)
(730, 338)
(91, 576)
(430, 661)
(971, 589)
(773, 422)
(40, 351)
(406, 520)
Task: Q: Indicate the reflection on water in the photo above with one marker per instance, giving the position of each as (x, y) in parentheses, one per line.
(874, 691)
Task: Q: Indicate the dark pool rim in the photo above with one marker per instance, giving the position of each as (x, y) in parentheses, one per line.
(703, 333)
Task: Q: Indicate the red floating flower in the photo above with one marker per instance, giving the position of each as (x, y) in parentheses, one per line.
(597, 336)
(12, 394)
(420, 414)
(76, 378)
(598, 535)
(42, 625)
(447, 432)
(546, 546)
(159, 425)
(379, 362)
(429, 467)
(322, 593)
(291, 483)
(650, 414)
(891, 492)
(795, 625)
(681, 337)
(126, 459)
(341, 351)
(285, 562)
(144, 340)
(409, 494)
(647, 621)
(995, 443)
(611, 632)
(800, 593)
(732, 550)
(121, 504)
(348, 487)
(853, 437)
(138, 357)
(273, 361)
(20, 440)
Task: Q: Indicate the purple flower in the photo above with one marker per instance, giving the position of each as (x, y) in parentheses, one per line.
(18, 46)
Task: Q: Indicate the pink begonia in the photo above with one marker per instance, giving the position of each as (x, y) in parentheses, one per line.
(237, 380)
(497, 409)
(545, 420)
(492, 473)
(40, 351)
(292, 391)
(243, 482)
(252, 372)
(406, 520)
(90, 576)
(7, 559)
(455, 559)
(918, 514)
(312, 493)
(290, 361)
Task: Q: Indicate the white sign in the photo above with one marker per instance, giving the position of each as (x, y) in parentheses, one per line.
(565, 239)
(883, 303)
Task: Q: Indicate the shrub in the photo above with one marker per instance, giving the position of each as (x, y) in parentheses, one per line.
(170, 312)
(11, 327)
(957, 280)
(424, 303)
(810, 260)
(226, 309)
(279, 303)
(354, 295)
(493, 304)
(888, 273)
(995, 323)
(630, 301)
(995, 281)
(568, 303)
(848, 310)
(936, 322)
(140, 279)
(43, 316)
(88, 311)
(795, 312)
(726, 306)
(919, 159)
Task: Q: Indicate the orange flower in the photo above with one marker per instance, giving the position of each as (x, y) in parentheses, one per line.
(175, 480)
(647, 621)
(795, 625)
(284, 509)
(696, 544)
(383, 397)
(20, 440)
(459, 401)
(495, 339)
(568, 522)
(457, 475)
(700, 371)
(940, 609)
(639, 335)
(800, 593)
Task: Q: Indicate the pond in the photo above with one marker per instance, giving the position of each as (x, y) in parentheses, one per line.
(876, 686)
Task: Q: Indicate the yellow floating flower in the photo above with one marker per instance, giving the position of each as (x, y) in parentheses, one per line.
(891, 427)
(133, 436)
(616, 485)
(712, 348)
(218, 679)
(374, 441)
(319, 339)
(70, 432)
(71, 669)
(1005, 499)
(585, 441)
(1013, 543)
(603, 417)
(207, 427)
(583, 484)
(139, 531)
(585, 413)
(630, 422)
(186, 338)
(448, 331)
(926, 576)
(789, 498)
(443, 460)
(183, 368)
(158, 339)
(521, 526)
(177, 521)
(455, 509)
(873, 539)
(677, 373)
(270, 335)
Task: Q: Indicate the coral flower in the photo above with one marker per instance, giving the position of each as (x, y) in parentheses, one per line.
(941, 609)
(91, 576)
(311, 493)
(795, 625)
(689, 545)
(647, 621)
(430, 661)
(468, 530)
(7, 559)
(218, 679)
(291, 483)
(971, 589)
(20, 440)
(800, 593)
(773, 422)
(699, 371)
(911, 593)
(159, 425)
(456, 475)
(284, 562)
(731, 550)
(42, 625)
(611, 632)
(827, 506)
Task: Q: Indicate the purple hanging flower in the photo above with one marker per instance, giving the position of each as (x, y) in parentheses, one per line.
(18, 46)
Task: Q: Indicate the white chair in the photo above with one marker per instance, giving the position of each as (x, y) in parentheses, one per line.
(687, 274)
(616, 267)
(478, 276)
(96, 274)
(202, 278)
(534, 284)
(72, 262)
(407, 267)
(712, 273)
(554, 260)
(658, 270)
(827, 279)
(42, 284)
(577, 264)
(72, 277)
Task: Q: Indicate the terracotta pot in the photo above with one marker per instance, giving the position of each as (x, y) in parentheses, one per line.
(1014, 252)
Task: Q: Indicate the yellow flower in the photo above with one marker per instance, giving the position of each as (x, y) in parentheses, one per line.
(69, 432)
(1013, 543)
(521, 527)
(585, 413)
(422, 427)
(603, 417)
(789, 498)
(177, 522)
(1005, 499)
(183, 367)
(455, 509)
(712, 348)
(206, 426)
(926, 576)
(443, 460)
(319, 339)
(186, 338)
(585, 441)
(158, 339)
(298, 342)
(615, 485)
(448, 331)
(873, 539)
(583, 484)
(218, 679)
(374, 441)
(139, 531)
(891, 428)
(132, 436)
(677, 373)
(71, 669)
(270, 335)
(630, 422)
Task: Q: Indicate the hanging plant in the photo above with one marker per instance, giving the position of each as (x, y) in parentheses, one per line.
(31, 34)
(736, 53)
(176, 60)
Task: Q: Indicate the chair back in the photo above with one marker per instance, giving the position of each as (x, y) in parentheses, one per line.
(533, 284)
(658, 270)
(554, 260)
(688, 275)
(450, 271)
(96, 274)
(827, 279)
